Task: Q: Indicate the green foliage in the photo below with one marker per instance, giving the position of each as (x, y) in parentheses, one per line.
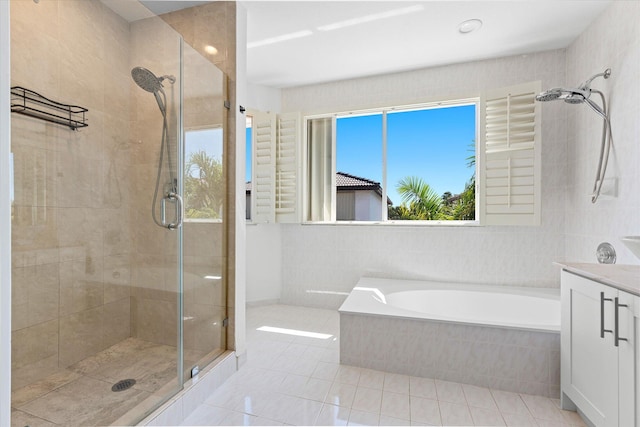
(203, 186)
(465, 207)
(419, 200)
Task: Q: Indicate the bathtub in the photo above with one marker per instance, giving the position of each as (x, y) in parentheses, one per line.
(501, 337)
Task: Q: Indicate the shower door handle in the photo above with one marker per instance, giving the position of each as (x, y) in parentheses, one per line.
(176, 199)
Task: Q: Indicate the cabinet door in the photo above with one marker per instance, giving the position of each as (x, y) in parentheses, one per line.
(629, 359)
(589, 361)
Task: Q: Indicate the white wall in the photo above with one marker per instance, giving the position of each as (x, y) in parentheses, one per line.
(368, 206)
(239, 208)
(612, 41)
(264, 253)
(264, 262)
(263, 98)
(323, 262)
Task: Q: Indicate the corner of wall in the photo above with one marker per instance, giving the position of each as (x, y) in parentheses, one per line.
(5, 217)
(240, 200)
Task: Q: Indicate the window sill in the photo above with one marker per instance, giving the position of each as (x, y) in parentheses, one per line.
(202, 221)
(398, 223)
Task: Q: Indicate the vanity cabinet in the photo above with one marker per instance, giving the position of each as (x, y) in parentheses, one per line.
(600, 359)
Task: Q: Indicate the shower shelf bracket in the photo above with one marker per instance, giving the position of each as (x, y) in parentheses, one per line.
(32, 104)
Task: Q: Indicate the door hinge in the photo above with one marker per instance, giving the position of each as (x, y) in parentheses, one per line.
(225, 322)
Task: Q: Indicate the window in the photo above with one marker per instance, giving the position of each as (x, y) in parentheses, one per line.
(467, 160)
(248, 166)
(204, 187)
(359, 168)
(399, 163)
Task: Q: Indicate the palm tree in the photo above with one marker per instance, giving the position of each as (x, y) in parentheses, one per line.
(419, 200)
(204, 186)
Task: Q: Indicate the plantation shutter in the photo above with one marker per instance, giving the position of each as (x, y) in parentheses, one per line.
(286, 162)
(509, 182)
(263, 187)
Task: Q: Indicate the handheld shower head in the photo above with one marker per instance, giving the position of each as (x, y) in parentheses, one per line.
(549, 95)
(149, 82)
(572, 95)
(575, 98)
(146, 79)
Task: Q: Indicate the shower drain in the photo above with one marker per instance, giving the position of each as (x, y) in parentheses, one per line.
(123, 385)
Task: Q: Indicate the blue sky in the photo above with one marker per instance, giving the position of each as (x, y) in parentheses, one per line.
(432, 144)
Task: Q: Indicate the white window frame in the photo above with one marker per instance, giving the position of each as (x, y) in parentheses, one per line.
(384, 111)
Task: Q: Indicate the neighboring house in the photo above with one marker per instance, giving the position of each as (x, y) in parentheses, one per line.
(248, 199)
(357, 198)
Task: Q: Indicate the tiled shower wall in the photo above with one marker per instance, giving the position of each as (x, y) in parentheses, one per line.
(612, 41)
(321, 263)
(70, 215)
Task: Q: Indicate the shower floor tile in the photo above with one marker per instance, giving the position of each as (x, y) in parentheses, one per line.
(81, 395)
(84, 402)
(151, 365)
(269, 389)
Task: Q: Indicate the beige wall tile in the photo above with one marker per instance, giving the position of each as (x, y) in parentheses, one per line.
(81, 335)
(117, 321)
(30, 345)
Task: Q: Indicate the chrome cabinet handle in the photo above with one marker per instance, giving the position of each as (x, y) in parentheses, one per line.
(179, 208)
(602, 329)
(616, 336)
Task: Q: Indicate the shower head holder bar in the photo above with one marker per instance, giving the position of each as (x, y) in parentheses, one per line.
(30, 103)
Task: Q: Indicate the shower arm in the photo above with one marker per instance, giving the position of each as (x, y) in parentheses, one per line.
(587, 84)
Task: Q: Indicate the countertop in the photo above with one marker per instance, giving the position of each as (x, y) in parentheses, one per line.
(623, 277)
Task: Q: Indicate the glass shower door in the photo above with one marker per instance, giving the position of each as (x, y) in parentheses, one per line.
(204, 193)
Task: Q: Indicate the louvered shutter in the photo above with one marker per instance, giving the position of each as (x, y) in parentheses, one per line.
(286, 181)
(263, 185)
(509, 178)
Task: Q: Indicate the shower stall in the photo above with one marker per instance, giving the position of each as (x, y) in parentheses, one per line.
(119, 232)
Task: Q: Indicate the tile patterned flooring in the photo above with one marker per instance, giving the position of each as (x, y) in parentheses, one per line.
(294, 378)
(81, 395)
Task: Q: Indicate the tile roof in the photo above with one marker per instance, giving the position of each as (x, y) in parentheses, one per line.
(350, 181)
(346, 182)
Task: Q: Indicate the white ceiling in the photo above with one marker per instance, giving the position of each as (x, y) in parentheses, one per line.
(391, 36)
(292, 43)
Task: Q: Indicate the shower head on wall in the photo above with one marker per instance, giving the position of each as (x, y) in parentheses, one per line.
(581, 95)
(577, 95)
(147, 80)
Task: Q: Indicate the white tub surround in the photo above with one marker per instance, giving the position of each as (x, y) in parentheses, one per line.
(491, 336)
